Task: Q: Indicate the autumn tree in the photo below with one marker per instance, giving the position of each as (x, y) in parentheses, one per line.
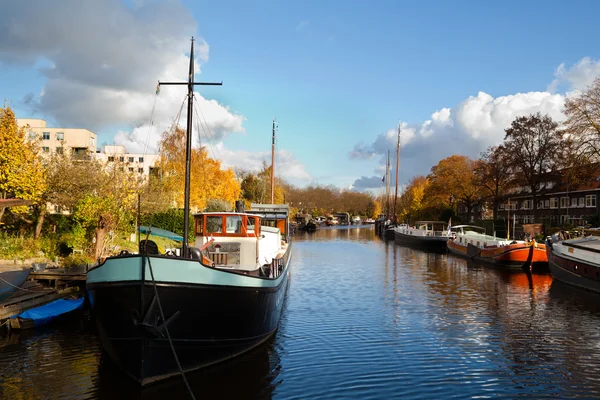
(492, 173)
(583, 121)
(533, 147)
(101, 198)
(21, 172)
(411, 203)
(208, 180)
(451, 182)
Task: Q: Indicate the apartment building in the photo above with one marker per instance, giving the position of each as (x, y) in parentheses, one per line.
(79, 141)
(116, 155)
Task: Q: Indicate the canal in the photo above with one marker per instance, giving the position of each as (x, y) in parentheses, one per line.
(364, 319)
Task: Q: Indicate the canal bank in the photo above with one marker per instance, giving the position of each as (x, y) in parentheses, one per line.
(363, 319)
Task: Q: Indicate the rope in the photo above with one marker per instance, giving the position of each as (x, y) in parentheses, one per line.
(162, 315)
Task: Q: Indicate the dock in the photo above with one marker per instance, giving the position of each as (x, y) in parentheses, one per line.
(41, 288)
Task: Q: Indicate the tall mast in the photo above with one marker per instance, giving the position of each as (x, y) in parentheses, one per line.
(273, 165)
(188, 143)
(387, 186)
(397, 167)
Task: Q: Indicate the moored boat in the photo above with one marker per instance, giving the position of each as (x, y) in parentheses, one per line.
(426, 235)
(472, 242)
(161, 315)
(42, 315)
(576, 262)
(11, 279)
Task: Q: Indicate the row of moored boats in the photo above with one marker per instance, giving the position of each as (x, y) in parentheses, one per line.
(572, 260)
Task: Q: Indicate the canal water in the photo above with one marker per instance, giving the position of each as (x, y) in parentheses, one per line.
(364, 319)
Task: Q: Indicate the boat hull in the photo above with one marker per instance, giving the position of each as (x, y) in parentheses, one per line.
(573, 271)
(11, 280)
(207, 322)
(511, 256)
(430, 243)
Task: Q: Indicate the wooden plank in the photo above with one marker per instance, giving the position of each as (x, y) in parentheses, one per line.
(49, 275)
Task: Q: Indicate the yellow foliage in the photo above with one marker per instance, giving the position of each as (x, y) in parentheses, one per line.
(207, 179)
(21, 172)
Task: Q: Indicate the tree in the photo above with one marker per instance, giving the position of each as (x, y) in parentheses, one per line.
(452, 181)
(492, 173)
(533, 147)
(583, 120)
(411, 202)
(21, 171)
(207, 179)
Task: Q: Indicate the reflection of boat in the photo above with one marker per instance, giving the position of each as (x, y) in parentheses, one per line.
(11, 278)
(576, 262)
(430, 235)
(42, 315)
(160, 315)
(472, 242)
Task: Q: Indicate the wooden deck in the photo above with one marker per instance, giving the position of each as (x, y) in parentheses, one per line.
(33, 295)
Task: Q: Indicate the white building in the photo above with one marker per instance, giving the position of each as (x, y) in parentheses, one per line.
(143, 164)
(78, 141)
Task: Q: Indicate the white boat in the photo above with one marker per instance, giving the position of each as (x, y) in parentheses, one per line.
(427, 235)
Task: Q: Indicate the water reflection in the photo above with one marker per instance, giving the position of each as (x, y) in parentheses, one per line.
(252, 376)
(363, 319)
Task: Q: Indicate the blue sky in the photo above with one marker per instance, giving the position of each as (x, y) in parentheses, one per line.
(338, 76)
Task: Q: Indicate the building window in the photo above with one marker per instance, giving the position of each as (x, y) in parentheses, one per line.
(564, 202)
(582, 202)
(564, 219)
(554, 202)
(59, 150)
(500, 206)
(130, 159)
(574, 202)
(130, 169)
(46, 149)
(46, 135)
(590, 200)
(141, 170)
(60, 136)
(526, 205)
(141, 159)
(92, 142)
(546, 203)
(122, 159)
(111, 159)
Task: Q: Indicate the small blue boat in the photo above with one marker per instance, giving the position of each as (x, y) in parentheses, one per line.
(42, 315)
(11, 279)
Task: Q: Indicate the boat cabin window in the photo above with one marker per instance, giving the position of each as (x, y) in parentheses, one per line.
(251, 225)
(233, 224)
(214, 224)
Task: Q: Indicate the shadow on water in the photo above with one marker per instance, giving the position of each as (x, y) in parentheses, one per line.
(251, 376)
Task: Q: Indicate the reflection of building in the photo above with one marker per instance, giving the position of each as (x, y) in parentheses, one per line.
(144, 164)
(78, 141)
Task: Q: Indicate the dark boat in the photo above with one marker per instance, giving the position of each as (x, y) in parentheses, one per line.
(11, 279)
(161, 315)
(576, 262)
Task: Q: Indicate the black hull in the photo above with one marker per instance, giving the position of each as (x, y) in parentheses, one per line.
(429, 243)
(575, 273)
(389, 234)
(207, 324)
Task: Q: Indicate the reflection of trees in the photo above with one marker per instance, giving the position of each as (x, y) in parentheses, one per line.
(48, 363)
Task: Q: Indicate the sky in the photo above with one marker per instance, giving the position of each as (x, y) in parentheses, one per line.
(338, 76)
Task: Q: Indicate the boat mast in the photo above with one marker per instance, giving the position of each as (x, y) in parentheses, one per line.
(387, 186)
(508, 222)
(188, 143)
(273, 165)
(397, 166)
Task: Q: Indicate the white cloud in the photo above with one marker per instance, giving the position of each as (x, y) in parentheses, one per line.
(471, 126)
(286, 165)
(102, 71)
(579, 77)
